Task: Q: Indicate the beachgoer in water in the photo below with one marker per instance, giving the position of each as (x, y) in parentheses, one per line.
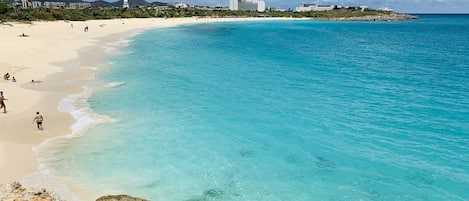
(13, 79)
(38, 119)
(6, 76)
(2, 102)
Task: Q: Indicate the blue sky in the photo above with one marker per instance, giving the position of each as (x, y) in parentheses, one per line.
(403, 6)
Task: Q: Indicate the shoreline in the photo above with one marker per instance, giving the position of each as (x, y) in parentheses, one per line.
(60, 56)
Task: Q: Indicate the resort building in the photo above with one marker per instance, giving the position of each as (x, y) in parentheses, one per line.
(30, 4)
(125, 4)
(51, 5)
(247, 5)
(313, 7)
(277, 9)
(54, 5)
(386, 9)
(233, 4)
(82, 5)
(181, 5)
(160, 8)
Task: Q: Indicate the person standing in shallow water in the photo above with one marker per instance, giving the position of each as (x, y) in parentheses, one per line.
(38, 119)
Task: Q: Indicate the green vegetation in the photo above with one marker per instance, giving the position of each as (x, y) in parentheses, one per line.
(11, 13)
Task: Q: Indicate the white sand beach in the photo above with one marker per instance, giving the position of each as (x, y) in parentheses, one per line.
(42, 54)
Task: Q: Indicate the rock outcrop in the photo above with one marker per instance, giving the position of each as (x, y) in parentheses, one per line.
(119, 198)
(15, 192)
(378, 17)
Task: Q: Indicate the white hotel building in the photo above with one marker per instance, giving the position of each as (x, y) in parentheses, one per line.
(247, 5)
(313, 7)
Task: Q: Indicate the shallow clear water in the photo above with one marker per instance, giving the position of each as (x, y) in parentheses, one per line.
(290, 110)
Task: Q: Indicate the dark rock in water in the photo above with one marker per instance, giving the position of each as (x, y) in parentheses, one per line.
(293, 159)
(213, 193)
(246, 153)
(325, 164)
(119, 198)
(421, 179)
(199, 198)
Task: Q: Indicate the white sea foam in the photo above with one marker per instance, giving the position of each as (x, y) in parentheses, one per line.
(85, 119)
(93, 68)
(122, 42)
(115, 46)
(114, 84)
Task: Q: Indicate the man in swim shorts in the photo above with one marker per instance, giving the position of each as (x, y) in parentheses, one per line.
(38, 119)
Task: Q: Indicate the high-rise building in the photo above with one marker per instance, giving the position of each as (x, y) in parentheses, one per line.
(233, 4)
(261, 6)
(125, 4)
(247, 5)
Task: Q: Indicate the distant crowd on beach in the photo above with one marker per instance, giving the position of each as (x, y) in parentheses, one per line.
(37, 119)
(6, 76)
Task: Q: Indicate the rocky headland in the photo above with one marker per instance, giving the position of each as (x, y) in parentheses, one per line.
(13, 191)
(378, 17)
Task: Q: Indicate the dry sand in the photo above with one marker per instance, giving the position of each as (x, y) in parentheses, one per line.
(50, 52)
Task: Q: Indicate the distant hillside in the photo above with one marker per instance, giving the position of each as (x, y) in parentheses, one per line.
(103, 4)
(106, 4)
(135, 3)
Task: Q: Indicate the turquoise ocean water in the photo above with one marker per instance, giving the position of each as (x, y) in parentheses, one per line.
(278, 110)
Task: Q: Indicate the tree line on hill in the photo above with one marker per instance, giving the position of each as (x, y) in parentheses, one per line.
(9, 12)
(98, 3)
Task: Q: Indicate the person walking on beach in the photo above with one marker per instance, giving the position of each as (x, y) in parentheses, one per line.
(38, 119)
(2, 102)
